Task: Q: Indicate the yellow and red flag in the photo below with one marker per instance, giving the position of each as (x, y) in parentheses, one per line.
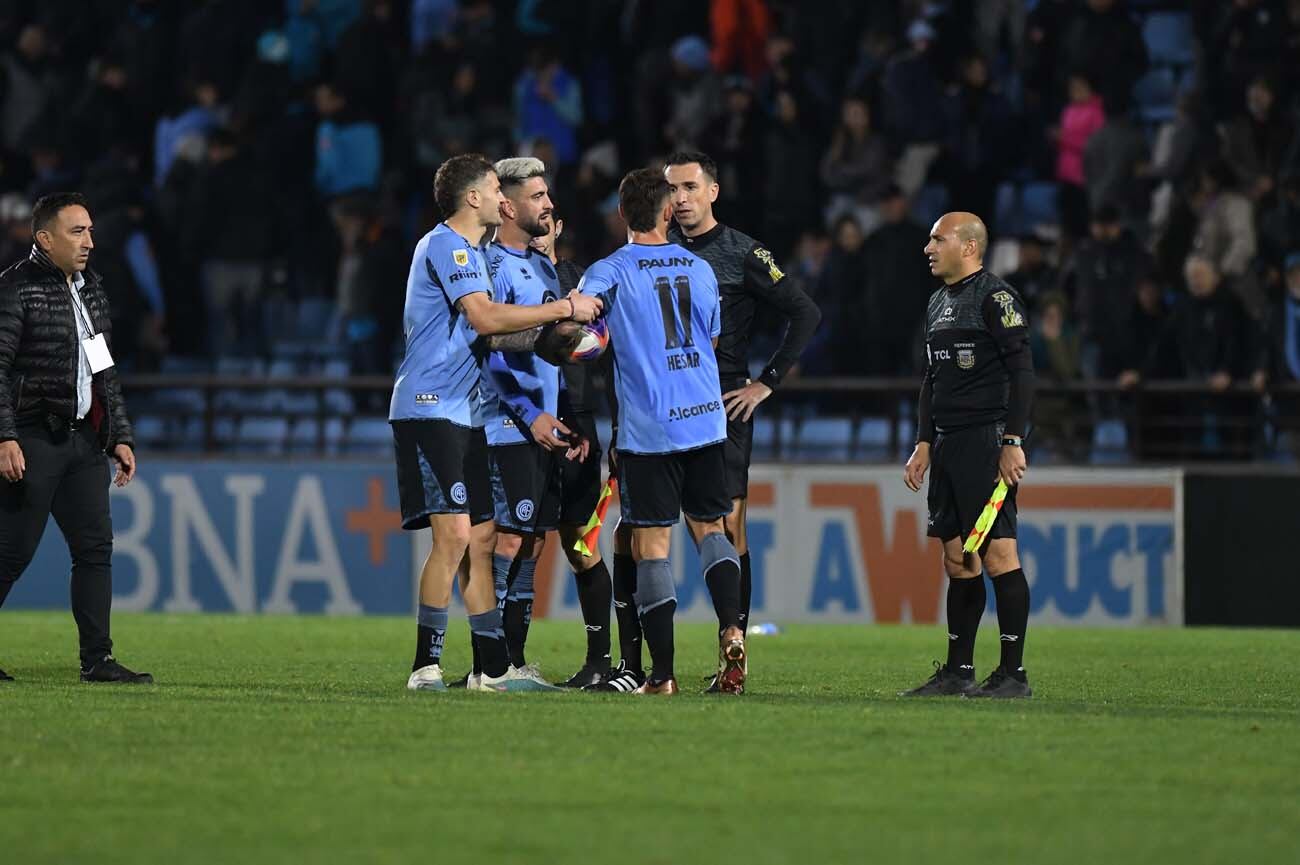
(591, 531)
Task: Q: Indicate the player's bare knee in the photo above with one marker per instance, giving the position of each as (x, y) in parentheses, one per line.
(509, 544)
(965, 567)
(451, 533)
(1001, 558)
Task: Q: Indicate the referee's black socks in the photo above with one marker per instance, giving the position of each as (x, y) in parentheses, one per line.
(629, 624)
(594, 593)
(1012, 593)
(966, 599)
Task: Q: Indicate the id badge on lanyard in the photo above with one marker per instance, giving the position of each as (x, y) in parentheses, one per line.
(94, 345)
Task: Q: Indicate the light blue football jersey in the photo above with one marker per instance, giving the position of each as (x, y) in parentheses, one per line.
(518, 386)
(663, 310)
(440, 371)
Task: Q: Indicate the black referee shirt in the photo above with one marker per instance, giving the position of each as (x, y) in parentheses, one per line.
(747, 276)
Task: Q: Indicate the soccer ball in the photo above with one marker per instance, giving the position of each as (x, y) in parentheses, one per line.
(592, 343)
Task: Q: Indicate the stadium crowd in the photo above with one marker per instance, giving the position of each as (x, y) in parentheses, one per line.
(258, 171)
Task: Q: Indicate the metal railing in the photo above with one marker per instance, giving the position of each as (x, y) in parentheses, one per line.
(1161, 420)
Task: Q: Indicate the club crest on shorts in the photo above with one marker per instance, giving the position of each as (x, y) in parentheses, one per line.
(461, 257)
(524, 510)
(458, 493)
(965, 358)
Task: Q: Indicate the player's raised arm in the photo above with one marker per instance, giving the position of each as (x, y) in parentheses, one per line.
(488, 317)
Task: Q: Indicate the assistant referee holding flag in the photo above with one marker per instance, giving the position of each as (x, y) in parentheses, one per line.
(972, 418)
(61, 411)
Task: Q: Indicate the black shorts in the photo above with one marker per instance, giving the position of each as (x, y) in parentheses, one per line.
(738, 449)
(963, 473)
(654, 489)
(580, 482)
(442, 468)
(525, 488)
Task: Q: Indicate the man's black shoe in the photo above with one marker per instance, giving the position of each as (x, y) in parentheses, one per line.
(590, 674)
(109, 670)
(619, 680)
(5, 677)
(1004, 685)
(461, 683)
(944, 683)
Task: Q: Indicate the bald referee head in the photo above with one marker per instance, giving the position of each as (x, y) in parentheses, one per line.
(957, 245)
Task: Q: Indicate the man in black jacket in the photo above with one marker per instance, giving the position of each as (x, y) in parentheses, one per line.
(61, 410)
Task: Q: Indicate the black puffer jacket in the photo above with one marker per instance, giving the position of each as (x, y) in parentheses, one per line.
(38, 352)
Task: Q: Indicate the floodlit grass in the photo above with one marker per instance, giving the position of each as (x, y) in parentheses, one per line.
(294, 740)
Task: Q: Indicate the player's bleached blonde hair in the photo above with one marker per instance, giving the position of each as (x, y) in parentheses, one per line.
(518, 169)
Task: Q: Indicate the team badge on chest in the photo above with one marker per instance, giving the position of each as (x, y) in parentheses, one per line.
(965, 358)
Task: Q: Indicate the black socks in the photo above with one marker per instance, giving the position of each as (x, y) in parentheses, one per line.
(629, 625)
(745, 587)
(1012, 592)
(594, 594)
(966, 599)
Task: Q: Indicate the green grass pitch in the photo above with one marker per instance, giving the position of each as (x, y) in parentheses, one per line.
(293, 740)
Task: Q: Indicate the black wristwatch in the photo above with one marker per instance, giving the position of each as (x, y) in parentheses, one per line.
(1012, 441)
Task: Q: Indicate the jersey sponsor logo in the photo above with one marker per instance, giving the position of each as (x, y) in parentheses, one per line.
(772, 270)
(686, 360)
(463, 274)
(458, 493)
(947, 315)
(426, 399)
(697, 410)
(675, 261)
(461, 257)
(524, 510)
(941, 354)
(965, 358)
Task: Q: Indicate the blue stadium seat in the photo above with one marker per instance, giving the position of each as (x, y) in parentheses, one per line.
(337, 400)
(1169, 38)
(1155, 93)
(304, 436)
(765, 435)
(1038, 205)
(151, 430)
(824, 439)
(873, 439)
(369, 435)
(1007, 210)
(262, 435)
(292, 402)
(315, 320)
(929, 203)
(1110, 442)
(241, 401)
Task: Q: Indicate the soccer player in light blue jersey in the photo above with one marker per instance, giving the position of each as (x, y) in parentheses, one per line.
(439, 442)
(525, 437)
(662, 305)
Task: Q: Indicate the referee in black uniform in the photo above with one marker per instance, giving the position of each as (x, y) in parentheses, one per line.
(748, 277)
(61, 412)
(972, 418)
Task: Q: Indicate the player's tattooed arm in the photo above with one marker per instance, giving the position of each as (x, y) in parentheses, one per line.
(523, 340)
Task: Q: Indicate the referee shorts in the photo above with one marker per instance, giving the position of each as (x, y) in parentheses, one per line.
(963, 473)
(738, 449)
(580, 482)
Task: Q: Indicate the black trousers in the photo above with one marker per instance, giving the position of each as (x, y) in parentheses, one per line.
(67, 475)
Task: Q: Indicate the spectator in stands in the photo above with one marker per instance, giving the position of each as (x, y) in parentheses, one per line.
(896, 289)
(1279, 230)
(1225, 231)
(15, 226)
(735, 141)
(792, 202)
(1080, 120)
(349, 153)
(1103, 43)
(1247, 40)
(188, 129)
(27, 86)
(1255, 143)
(1146, 351)
(911, 81)
(1100, 279)
(856, 169)
(365, 63)
(1278, 356)
(230, 232)
(102, 118)
(740, 29)
(1058, 418)
(370, 263)
(1180, 146)
(844, 287)
(1116, 163)
(694, 93)
(1034, 275)
(548, 104)
(979, 141)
